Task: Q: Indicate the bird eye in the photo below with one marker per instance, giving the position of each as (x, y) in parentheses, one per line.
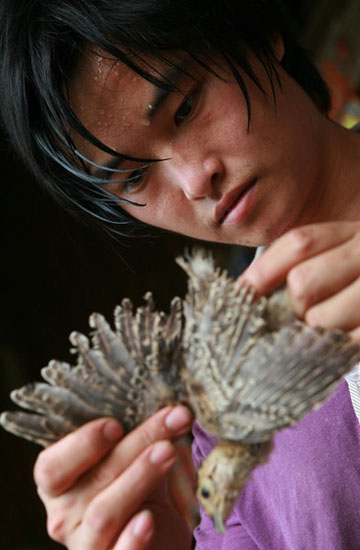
(205, 492)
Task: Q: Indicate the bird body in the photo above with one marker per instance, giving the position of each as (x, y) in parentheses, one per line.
(245, 367)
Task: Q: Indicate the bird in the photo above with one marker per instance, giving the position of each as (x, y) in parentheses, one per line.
(245, 366)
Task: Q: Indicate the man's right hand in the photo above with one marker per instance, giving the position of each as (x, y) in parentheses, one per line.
(103, 491)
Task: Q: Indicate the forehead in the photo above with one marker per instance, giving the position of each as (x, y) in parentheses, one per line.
(101, 84)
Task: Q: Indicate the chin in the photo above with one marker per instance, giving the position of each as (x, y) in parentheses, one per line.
(263, 236)
(256, 238)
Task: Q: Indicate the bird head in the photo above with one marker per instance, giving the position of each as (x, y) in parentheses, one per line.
(223, 474)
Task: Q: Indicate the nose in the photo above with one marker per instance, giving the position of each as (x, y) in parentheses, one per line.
(199, 178)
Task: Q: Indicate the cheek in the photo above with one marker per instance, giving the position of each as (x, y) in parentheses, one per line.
(164, 208)
(231, 114)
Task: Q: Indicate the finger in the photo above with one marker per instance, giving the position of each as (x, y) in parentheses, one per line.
(317, 279)
(355, 335)
(111, 509)
(59, 466)
(299, 244)
(138, 533)
(168, 423)
(340, 311)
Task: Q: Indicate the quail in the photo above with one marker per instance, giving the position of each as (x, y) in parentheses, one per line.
(246, 367)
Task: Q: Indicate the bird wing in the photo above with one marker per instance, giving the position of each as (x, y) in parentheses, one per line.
(127, 374)
(288, 374)
(221, 320)
(284, 376)
(251, 370)
(221, 324)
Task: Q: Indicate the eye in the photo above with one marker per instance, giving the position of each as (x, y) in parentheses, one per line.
(187, 108)
(205, 492)
(135, 181)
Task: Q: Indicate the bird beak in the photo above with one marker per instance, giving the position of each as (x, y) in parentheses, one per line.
(219, 522)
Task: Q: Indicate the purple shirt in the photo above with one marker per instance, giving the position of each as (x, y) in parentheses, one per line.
(307, 497)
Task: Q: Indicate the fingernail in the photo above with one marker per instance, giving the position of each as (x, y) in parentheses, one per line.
(162, 452)
(143, 524)
(112, 430)
(178, 419)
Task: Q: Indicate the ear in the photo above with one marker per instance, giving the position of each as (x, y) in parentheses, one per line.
(278, 47)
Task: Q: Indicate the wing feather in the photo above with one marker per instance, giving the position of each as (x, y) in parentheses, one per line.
(259, 370)
(282, 378)
(127, 374)
(244, 366)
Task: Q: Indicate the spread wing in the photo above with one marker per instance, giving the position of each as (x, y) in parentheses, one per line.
(283, 377)
(127, 374)
(221, 324)
(247, 374)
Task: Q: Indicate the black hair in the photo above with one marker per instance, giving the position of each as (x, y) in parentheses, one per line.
(40, 39)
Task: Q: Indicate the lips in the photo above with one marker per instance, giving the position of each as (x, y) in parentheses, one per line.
(230, 199)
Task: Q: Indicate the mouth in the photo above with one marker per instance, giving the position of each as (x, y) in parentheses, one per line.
(232, 201)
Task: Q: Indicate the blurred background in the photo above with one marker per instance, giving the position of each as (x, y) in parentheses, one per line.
(57, 269)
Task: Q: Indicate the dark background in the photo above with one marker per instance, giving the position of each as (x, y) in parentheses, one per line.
(56, 269)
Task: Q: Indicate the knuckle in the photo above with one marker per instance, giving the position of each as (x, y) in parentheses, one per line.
(151, 432)
(101, 475)
(98, 519)
(301, 240)
(44, 473)
(153, 428)
(298, 281)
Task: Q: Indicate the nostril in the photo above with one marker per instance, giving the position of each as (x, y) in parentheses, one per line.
(214, 177)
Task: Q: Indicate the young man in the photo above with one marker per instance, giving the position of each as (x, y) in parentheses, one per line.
(204, 118)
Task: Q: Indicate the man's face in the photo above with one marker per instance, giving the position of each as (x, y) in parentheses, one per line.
(221, 181)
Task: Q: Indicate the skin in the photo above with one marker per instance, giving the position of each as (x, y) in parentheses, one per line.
(102, 490)
(305, 202)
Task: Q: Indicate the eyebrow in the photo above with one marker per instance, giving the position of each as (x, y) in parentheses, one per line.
(173, 76)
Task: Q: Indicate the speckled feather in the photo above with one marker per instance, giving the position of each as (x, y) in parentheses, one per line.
(127, 374)
(257, 375)
(246, 368)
